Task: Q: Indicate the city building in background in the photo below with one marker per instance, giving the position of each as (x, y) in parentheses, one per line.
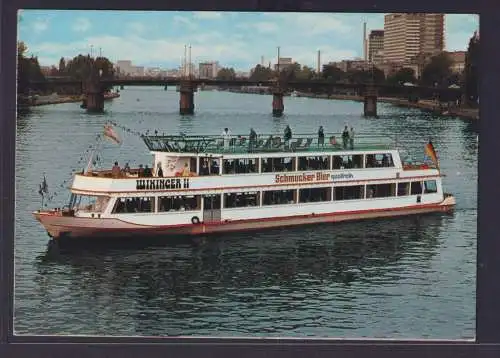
(208, 70)
(457, 60)
(283, 63)
(407, 35)
(376, 47)
(126, 68)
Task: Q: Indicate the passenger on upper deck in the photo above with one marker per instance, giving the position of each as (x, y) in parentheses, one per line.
(126, 169)
(351, 138)
(115, 171)
(185, 170)
(159, 173)
(321, 136)
(147, 172)
(226, 136)
(204, 168)
(140, 172)
(345, 137)
(287, 134)
(252, 139)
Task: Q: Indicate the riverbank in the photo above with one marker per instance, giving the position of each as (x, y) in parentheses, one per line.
(425, 105)
(59, 99)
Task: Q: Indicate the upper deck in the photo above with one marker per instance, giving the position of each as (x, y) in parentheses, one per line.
(264, 143)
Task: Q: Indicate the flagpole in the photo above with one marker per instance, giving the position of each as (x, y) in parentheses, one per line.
(92, 154)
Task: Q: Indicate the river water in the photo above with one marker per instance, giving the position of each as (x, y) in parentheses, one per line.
(399, 278)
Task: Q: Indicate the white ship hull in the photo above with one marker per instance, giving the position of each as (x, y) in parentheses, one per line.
(244, 219)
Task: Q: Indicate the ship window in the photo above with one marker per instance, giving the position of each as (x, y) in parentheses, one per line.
(179, 203)
(347, 161)
(239, 166)
(96, 204)
(380, 190)
(379, 160)
(430, 187)
(314, 163)
(350, 192)
(271, 165)
(134, 205)
(403, 188)
(311, 195)
(209, 166)
(277, 197)
(239, 200)
(416, 187)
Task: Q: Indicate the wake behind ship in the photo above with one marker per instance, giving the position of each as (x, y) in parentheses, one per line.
(201, 184)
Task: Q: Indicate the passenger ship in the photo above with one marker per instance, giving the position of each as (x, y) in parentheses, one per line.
(212, 184)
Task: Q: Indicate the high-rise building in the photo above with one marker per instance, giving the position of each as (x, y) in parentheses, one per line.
(376, 46)
(410, 34)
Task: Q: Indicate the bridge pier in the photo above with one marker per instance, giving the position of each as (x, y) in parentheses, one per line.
(278, 105)
(370, 102)
(94, 98)
(186, 101)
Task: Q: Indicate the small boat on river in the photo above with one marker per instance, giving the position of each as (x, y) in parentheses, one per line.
(205, 184)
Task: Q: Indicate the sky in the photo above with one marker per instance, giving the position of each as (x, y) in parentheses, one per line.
(235, 39)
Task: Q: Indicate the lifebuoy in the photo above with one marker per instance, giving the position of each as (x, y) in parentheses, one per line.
(195, 220)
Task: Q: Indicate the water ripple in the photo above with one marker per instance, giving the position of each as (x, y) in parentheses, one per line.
(401, 278)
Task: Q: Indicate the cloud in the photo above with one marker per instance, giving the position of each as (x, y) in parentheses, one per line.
(81, 24)
(207, 15)
(261, 26)
(40, 25)
(184, 22)
(137, 27)
(238, 41)
(208, 47)
(311, 24)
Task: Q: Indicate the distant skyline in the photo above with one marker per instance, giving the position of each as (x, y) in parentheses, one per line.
(235, 39)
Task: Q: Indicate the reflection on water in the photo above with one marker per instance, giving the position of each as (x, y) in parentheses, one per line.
(407, 277)
(186, 287)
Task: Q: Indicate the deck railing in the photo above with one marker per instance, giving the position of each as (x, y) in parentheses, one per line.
(236, 143)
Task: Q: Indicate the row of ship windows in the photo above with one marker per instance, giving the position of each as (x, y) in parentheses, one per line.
(283, 164)
(273, 197)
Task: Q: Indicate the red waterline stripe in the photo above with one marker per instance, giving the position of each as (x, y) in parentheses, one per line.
(242, 221)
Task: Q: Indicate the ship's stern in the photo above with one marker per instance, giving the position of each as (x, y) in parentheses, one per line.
(449, 202)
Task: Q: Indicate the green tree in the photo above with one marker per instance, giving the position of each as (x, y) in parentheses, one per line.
(226, 73)
(437, 71)
(402, 76)
(62, 66)
(28, 69)
(261, 73)
(332, 73)
(365, 76)
(306, 73)
(470, 75)
(83, 67)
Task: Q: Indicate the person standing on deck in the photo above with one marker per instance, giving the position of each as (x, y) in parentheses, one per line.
(226, 136)
(252, 140)
(160, 171)
(115, 171)
(287, 135)
(351, 138)
(345, 137)
(321, 136)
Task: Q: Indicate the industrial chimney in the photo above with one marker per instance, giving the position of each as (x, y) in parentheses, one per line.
(318, 68)
(365, 45)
